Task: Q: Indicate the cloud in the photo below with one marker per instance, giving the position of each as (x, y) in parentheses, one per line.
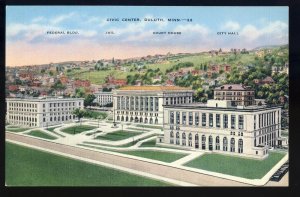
(38, 19)
(100, 21)
(231, 25)
(277, 30)
(191, 29)
(61, 18)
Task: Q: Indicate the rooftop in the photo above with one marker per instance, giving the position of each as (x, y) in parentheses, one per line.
(231, 108)
(155, 88)
(37, 99)
(233, 87)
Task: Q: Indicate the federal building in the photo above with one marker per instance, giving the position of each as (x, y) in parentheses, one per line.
(232, 126)
(41, 111)
(144, 104)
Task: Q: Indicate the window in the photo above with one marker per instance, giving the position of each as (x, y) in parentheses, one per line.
(203, 119)
(203, 142)
(241, 122)
(233, 121)
(225, 144)
(177, 138)
(210, 120)
(171, 117)
(171, 137)
(190, 140)
(232, 145)
(183, 139)
(190, 118)
(210, 143)
(217, 143)
(177, 117)
(217, 120)
(254, 122)
(183, 117)
(225, 121)
(196, 141)
(240, 146)
(197, 118)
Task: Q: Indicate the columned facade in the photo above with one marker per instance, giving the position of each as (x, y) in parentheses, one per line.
(144, 104)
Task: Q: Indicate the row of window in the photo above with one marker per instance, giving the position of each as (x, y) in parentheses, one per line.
(211, 142)
(29, 105)
(141, 104)
(137, 113)
(23, 118)
(62, 118)
(23, 109)
(178, 100)
(193, 119)
(266, 119)
(66, 104)
(138, 120)
(266, 139)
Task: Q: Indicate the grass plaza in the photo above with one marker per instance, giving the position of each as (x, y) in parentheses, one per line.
(27, 167)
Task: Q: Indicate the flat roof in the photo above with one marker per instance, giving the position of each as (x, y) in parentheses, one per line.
(41, 99)
(203, 106)
(154, 88)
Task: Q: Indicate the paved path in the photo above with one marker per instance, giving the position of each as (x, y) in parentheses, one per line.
(167, 171)
(187, 158)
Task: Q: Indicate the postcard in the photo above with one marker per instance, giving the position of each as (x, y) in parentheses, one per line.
(149, 96)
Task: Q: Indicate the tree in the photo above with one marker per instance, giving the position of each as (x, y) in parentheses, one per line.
(89, 99)
(79, 113)
(79, 92)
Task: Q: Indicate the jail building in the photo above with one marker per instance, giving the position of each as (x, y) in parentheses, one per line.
(144, 104)
(103, 98)
(41, 111)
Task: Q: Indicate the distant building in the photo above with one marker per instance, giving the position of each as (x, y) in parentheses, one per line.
(267, 80)
(238, 94)
(13, 88)
(42, 111)
(103, 98)
(82, 83)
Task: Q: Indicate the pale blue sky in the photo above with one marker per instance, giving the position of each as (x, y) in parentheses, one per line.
(257, 26)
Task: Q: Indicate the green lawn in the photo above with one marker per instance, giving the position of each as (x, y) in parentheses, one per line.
(29, 167)
(98, 77)
(149, 126)
(164, 156)
(51, 129)
(118, 135)
(236, 166)
(17, 129)
(39, 133)
(150, 143)
(77, 129)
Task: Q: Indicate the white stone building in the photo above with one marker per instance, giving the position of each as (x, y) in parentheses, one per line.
(220, 127)
(42, 111)
(144, 104)
(103, 98)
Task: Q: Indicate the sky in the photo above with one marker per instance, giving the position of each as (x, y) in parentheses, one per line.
(27, 41)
